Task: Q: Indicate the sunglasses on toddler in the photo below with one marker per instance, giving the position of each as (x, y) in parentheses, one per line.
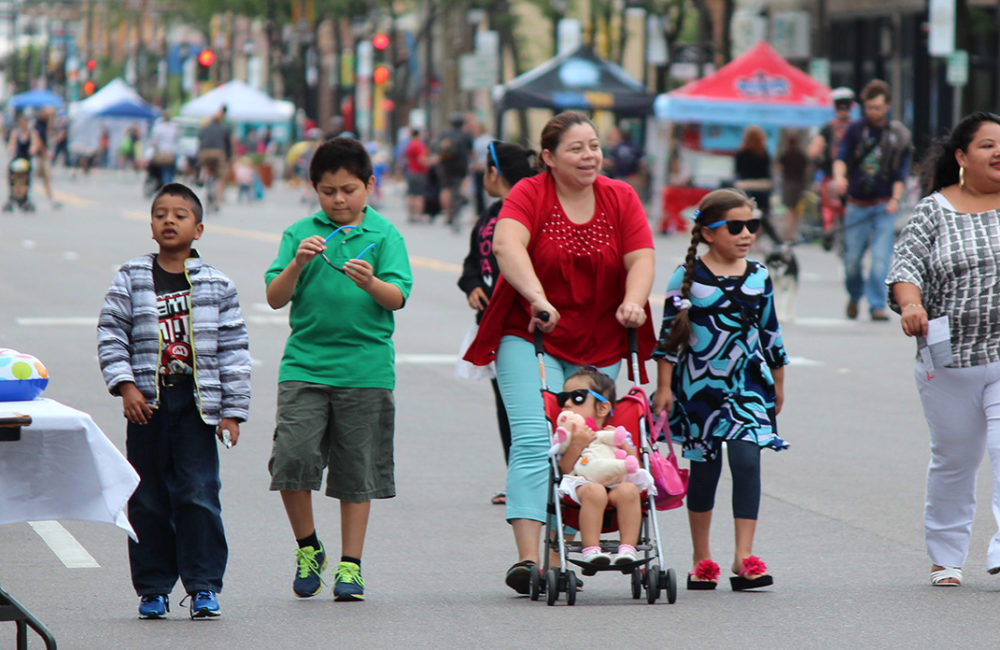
(579, 396)
(735, 226)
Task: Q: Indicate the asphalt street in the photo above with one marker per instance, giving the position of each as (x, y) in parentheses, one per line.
(840, 525)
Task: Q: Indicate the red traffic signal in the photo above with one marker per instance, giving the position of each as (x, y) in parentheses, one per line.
(206, 58)
(89, 87)
(381, 74)
(380, 41)
(91, 64)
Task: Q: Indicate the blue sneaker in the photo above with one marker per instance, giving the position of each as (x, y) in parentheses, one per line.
(349, 584)
(311, 564)
(154, 606)
(204, 604)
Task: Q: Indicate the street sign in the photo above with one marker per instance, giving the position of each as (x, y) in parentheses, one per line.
(957, 72)
(819, 69)
(941, 28)
(477, 70)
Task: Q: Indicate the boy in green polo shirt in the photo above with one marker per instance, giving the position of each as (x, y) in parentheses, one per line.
(345, 270)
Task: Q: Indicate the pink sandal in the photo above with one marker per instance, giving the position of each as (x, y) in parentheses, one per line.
(752, 566)
(704, 577)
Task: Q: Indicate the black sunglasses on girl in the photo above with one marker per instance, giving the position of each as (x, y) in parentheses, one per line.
(735, 226)
(579, 396)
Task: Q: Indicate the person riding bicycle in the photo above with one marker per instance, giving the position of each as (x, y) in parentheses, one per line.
(823, 151)
(215, 150)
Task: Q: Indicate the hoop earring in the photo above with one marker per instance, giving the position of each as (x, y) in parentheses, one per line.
(961, 176)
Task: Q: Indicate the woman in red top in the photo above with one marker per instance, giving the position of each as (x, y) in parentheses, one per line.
(576, 245)
(416, 175)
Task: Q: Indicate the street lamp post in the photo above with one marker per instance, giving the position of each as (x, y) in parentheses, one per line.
(559, 7)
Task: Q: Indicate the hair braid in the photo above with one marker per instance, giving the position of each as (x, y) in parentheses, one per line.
(680, 328)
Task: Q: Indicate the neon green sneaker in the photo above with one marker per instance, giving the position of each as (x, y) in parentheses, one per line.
(311, 564)
(349, 584)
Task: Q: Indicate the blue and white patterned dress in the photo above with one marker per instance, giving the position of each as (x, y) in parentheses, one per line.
(722, 382)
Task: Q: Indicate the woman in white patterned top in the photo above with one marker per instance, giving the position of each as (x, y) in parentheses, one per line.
(946, 264)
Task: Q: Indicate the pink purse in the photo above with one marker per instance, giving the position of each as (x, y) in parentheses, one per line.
(671, 481)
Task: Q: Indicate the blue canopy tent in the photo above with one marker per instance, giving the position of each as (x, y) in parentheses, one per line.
(35, 99)
(128, 108)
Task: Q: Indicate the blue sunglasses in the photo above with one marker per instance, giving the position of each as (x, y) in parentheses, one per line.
(493, 155)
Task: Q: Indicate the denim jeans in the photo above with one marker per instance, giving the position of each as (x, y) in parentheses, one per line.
(868, 227)
(175, 510)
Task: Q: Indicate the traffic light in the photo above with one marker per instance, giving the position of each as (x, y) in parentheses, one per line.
(91, 65)
(380, 41)
(205, 60)
(89, 87)
(381, 74)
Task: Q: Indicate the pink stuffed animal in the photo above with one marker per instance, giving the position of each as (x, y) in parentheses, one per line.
(603, 460)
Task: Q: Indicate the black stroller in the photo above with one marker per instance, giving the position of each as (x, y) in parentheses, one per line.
(645, 573)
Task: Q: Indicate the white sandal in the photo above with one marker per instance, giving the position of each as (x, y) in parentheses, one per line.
(938, 577)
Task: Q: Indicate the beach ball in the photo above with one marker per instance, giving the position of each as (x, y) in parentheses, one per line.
(22, 376)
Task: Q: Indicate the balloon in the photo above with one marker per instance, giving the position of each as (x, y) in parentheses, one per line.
(22, 376)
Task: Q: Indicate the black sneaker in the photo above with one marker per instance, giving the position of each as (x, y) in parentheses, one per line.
(519, 576)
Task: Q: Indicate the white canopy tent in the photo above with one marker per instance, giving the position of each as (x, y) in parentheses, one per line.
(243, 103)
(85, 125)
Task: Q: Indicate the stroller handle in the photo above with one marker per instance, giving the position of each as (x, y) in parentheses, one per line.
(539, 348)
(633, 341)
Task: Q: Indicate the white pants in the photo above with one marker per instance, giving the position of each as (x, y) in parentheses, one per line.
(962, 409)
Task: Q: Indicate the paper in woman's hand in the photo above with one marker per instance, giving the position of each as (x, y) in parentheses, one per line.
(935, 349)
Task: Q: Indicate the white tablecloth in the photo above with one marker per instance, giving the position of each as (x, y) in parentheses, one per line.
(63, 467)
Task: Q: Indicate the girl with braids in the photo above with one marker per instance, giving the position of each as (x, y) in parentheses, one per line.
(720, 362)
(506, 164)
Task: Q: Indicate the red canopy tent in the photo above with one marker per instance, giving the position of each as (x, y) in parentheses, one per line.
(758, 87)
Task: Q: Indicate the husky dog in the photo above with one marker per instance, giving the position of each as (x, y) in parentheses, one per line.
(783, 268)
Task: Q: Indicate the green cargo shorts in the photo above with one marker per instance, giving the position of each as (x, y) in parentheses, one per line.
(349, 431)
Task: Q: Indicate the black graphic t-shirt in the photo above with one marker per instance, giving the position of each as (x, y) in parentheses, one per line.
(173, 303)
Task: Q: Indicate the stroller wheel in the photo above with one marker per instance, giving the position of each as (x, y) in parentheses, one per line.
(551, 586)
(535, 585)
(671, 586)
(652, 584)
(637, 582)
(29, 207)
(571, 587)
(8, 207)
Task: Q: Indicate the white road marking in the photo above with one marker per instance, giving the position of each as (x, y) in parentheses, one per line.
(91, 321)
(802, 361)
(825, 322)
(58, 321)
(427, 359)
(69, 551)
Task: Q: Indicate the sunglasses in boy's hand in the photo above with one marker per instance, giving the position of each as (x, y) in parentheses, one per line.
(338, 268)
(360, 255)
(735, 226)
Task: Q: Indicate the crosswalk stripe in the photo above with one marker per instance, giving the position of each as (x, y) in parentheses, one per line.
(69, 551)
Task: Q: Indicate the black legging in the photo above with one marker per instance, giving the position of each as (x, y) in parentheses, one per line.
(502, 422)
(744, 465)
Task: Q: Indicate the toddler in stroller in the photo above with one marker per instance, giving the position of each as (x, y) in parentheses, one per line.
(19, 183)
(626, 505)
(590, 393)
